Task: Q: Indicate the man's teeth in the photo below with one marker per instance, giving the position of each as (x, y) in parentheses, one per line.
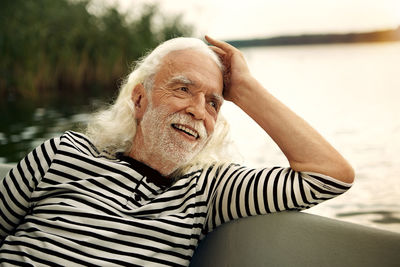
(186, 130)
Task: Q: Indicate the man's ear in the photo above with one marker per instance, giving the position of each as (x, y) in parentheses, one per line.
(139, 99)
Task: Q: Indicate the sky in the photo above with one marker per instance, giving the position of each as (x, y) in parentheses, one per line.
(240, 19)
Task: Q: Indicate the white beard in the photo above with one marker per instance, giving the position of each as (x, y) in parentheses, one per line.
(166, 143)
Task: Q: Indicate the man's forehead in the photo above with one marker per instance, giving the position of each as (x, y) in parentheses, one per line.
(191, 67)
(184, 80)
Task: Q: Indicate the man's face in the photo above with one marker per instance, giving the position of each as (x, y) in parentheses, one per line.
(189, 82)
(173, 138)
(183, 106)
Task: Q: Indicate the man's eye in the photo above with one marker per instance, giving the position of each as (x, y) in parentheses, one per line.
(214, 104)
(184, 89)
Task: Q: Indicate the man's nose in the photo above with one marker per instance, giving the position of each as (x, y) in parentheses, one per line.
(196, 107)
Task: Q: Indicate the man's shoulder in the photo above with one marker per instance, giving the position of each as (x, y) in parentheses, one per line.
(79, 142)
(72, 137)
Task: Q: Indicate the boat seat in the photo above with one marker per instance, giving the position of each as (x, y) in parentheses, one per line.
(297, 239)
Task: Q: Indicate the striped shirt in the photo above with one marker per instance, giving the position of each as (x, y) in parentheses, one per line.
(64, 204)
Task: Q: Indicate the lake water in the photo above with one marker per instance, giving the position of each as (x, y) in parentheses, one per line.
(348, 92)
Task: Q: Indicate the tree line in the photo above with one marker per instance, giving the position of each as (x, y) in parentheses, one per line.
(58, 45)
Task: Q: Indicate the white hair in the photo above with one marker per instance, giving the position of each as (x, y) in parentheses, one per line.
(112, 130)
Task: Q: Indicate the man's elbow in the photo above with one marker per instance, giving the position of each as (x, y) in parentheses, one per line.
(345, 173)
(338, 169)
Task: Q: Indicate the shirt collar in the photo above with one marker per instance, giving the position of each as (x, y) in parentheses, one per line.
(152, 175)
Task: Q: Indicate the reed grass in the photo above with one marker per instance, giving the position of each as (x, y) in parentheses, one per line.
(52, 45)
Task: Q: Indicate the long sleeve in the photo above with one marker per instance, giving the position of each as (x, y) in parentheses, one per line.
(239, 192)
(16, 188)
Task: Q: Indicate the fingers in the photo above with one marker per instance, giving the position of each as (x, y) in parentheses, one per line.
(220, 44)
(218, 50)
(225, 51)
(224, 56)
(221, 53)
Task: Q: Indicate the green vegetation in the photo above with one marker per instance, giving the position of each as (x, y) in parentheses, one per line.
(50, 46)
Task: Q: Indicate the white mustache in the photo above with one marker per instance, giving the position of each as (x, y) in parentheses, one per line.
(198, 126)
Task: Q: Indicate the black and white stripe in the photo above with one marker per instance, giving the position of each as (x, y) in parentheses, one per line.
(66, 204)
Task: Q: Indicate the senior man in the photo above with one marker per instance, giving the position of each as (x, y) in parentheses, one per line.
(145, 182)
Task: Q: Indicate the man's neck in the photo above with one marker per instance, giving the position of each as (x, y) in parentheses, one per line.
(163, 167)
(140, 153)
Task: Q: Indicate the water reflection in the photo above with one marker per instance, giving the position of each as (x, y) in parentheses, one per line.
(25, 124)
(386, 217)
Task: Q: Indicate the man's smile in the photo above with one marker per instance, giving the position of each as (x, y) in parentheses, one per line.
(187, 130)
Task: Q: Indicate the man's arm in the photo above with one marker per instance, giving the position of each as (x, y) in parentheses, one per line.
(304, 147)
(17, 187)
